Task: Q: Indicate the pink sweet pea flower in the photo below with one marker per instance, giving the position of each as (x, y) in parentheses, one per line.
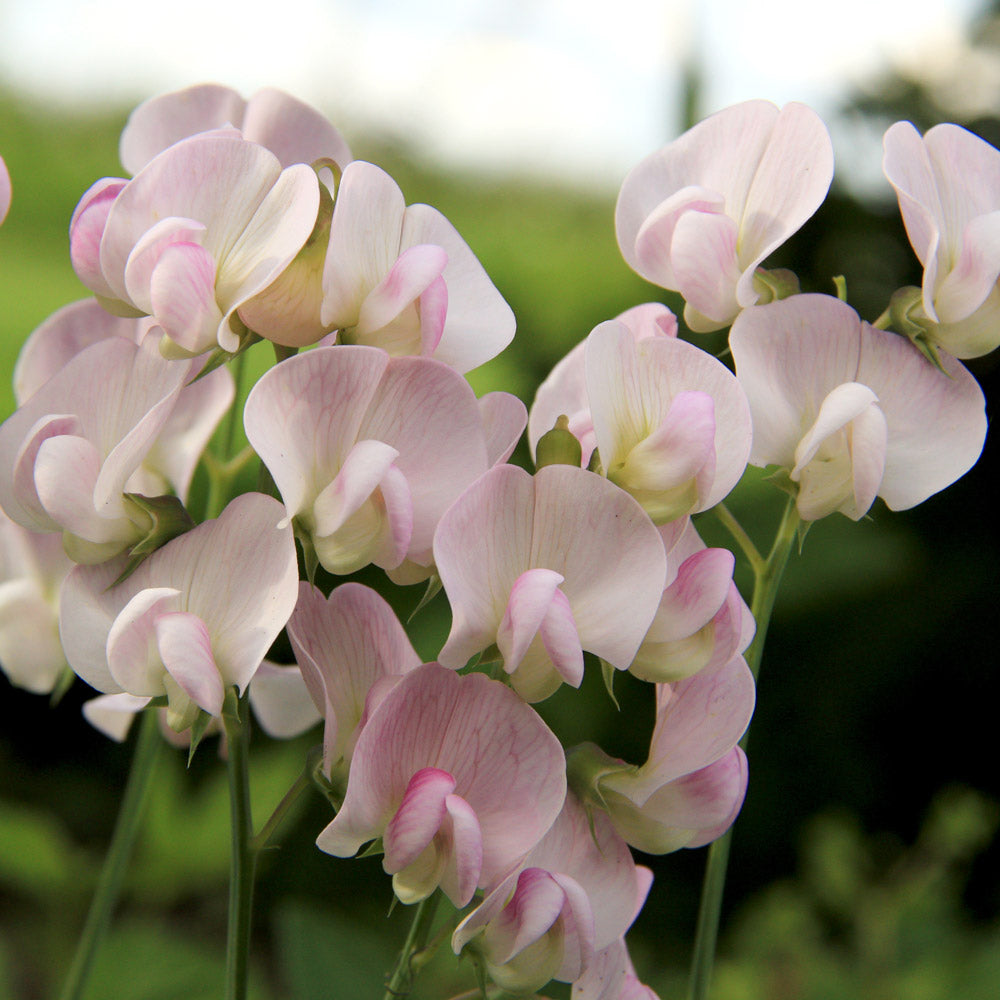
(345, 645)
(201, 403)
(197, 617)
(850, 411)
(671, 425)
(32, 569)
(948, 185)
(203, 228)
(546, 567)
(702, 621)
(367, 451)
(564, 391)
(4, 190)
(572, 896)
(458, 776)
(401, 278)
(293, 131)
(701, 214)
(82, 441)
(692, 785)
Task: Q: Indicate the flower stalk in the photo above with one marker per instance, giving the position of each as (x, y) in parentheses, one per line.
(147, 752)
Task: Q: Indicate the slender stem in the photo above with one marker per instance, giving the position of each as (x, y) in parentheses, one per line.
(244, 857)
(884, 321)
(401, 981)
(767, 579)
(302, 784)
(147, 751)
(743, 540)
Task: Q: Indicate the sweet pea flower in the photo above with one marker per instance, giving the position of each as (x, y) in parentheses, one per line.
(670, 423)
(281, 701)
(84, 439)
(196, 618)
(344, 646)
(200, 405)
(948, 186)
(401, 278)
(458, 776)
(692, 785)
(564, 391)
(573, 895)
(700, 215)
(545, 567)
(850, 411)
(702, 621)
(289, 128)
(204, 227)
(4, 190)
(32, 569)
(367, 451)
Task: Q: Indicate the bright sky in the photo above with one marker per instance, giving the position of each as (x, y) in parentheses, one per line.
(575, 88)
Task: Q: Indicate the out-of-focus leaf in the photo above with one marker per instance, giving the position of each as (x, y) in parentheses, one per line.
(36, 854)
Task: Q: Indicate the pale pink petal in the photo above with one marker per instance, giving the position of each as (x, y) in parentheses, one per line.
(653, 251)
(840, 406)
(364, 241)
(706, 265)
(185, 648)
(302, 416)
(145, 255)
(504, 418)
(19, 494)
(936, 420)
(362, 470)
(409, 277)
(610, 554)
(418, 817)
(344, 645)
(163, 120)
(86, 229)
(789, 184)
(696, 595)
(479, 323)
(113, 714)
(4, 190)
(463, 841)
(481, 547)
(507, 766)
(292, 130)
(974, 274)
(281, 701)
(561, 640)
(133, 658)
(182, 296)
(527, 606)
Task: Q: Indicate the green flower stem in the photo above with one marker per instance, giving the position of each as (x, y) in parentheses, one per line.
(147, 751)
(767, 579)
(244, 857)
(290, 799)
(401, 981)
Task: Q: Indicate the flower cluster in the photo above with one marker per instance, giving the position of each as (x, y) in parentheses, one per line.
(247, 220)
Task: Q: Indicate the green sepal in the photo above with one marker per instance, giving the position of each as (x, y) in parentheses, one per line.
(63, 683)
(218, 357)
(586, 765)
(801, 529)
(310, 561)
(160, 701)
(840, 284)
(374, 850)
(434, 586)
(481, 981)
(608, 674)
(231, 705)
(163, 518)
(783, 481)
(558, 446)
(198, 729)
(771, 286)
(907, 316)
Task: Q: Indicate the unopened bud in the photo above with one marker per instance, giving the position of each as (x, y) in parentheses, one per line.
(558, 446)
